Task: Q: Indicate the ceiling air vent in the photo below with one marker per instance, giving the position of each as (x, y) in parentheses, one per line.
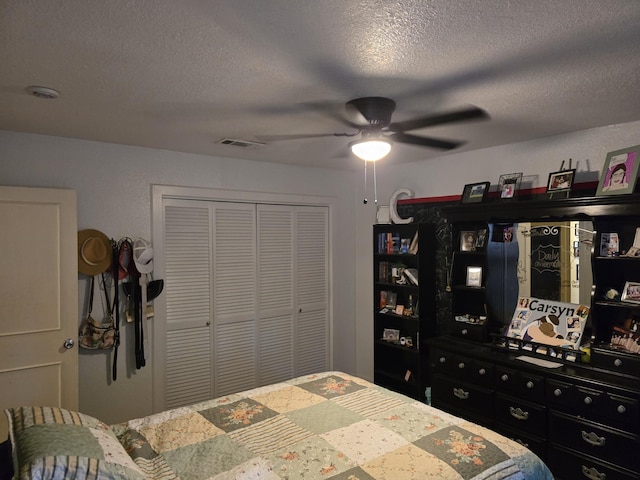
(241, 143)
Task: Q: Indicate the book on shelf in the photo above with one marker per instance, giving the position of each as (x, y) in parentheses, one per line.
(412, 275)
(413, 247)
(383, 272)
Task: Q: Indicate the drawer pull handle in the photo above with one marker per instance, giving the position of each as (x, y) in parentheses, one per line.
(593, 439)
(617, 362)
(461, 394)
(557, 392)
(518, 413)
(593, 474)
(461, 365)
(442, 360)
(530, 384)
(588, 400)
(621, 409)
(482, 371)
(504, 377)
(464, 332)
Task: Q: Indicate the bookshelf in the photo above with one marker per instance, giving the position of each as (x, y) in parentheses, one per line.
(404, 305)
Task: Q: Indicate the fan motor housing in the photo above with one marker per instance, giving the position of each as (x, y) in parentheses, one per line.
(376, 110)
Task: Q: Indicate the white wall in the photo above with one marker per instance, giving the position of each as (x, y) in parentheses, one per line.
(447, 175)
(113, 185)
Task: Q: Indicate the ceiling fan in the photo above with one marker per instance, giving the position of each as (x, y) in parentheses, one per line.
(371, 117)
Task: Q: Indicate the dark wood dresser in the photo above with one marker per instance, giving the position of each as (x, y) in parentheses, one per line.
(582, 420)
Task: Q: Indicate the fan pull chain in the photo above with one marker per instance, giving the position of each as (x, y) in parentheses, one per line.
(365, 183)
(375, 185)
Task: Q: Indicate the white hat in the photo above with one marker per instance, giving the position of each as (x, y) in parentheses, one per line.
(143, 255)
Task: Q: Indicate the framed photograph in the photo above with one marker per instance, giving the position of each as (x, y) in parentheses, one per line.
(468, 239)
(474, 276)
(620, 172)
(631, 292)
(391, 335)
(508, 184)
(475, 192)
(482, 238)
(560, 181)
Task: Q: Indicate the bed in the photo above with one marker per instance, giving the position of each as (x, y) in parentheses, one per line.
(326, 425)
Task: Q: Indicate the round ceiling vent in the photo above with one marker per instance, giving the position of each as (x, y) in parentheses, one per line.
(43, 92)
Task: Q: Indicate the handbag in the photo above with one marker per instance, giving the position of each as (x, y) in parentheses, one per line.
(96, 335)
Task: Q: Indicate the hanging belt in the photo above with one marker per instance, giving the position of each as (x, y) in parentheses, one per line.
(116, 307)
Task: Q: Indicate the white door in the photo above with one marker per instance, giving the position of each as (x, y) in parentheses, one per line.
(38, 299)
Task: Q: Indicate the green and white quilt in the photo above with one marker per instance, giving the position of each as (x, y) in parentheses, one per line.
(328, 425)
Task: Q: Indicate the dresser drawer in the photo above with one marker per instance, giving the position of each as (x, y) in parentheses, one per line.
(520, 383)
(463, 397)
(615, 361)
(521, 415)
(598, 441)
(571, 465)
(463, 367)
(469, 331)
(535, 444)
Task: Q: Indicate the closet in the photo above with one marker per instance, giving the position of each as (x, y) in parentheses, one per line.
(246, 295)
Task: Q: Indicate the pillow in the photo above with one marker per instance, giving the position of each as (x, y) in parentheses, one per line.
(52, 443)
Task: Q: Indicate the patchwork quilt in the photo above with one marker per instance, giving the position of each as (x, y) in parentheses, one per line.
(328, 425)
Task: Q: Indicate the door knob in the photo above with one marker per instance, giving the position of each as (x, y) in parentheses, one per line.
(68, 343)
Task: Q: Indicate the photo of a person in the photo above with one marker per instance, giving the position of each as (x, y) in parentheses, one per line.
(508, 189)
(620, 172)
(468, 241)
(560, 180)
(617, 178)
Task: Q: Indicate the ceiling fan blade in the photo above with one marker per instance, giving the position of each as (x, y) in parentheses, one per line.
(431, 120)
(301, 136)
(425, 141)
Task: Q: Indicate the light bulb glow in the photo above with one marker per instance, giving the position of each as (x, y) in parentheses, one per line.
(371, 150)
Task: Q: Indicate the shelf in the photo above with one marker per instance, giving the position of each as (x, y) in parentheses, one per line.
(397, 285)
(464, 288)
(619, 304)
(398, 346)
(395, 316)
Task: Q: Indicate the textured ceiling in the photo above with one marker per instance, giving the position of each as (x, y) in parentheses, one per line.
(182, 75)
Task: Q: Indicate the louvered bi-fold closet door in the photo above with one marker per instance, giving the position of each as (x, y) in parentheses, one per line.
(275, 293)
(311, 289)
(293, 292)
(234, 298)
(188, 272)
(247, 296)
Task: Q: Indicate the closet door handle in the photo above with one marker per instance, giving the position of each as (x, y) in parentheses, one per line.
(461, 394)
(593, 439)
(518, 413)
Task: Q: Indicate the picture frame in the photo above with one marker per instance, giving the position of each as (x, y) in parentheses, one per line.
(561, 181)
(620, 172)
(631, 292)
(468, 240)
(475, 192)
(481, 239)
(474, 276)
(509, 184)
(391, 335)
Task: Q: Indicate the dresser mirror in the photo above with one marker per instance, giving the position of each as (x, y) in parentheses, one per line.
(554, 260)
(548, 260)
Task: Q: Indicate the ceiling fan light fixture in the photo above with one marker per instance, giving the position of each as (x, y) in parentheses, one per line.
(370, 150)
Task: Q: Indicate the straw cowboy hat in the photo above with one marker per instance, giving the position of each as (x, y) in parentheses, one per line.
(94, 252)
